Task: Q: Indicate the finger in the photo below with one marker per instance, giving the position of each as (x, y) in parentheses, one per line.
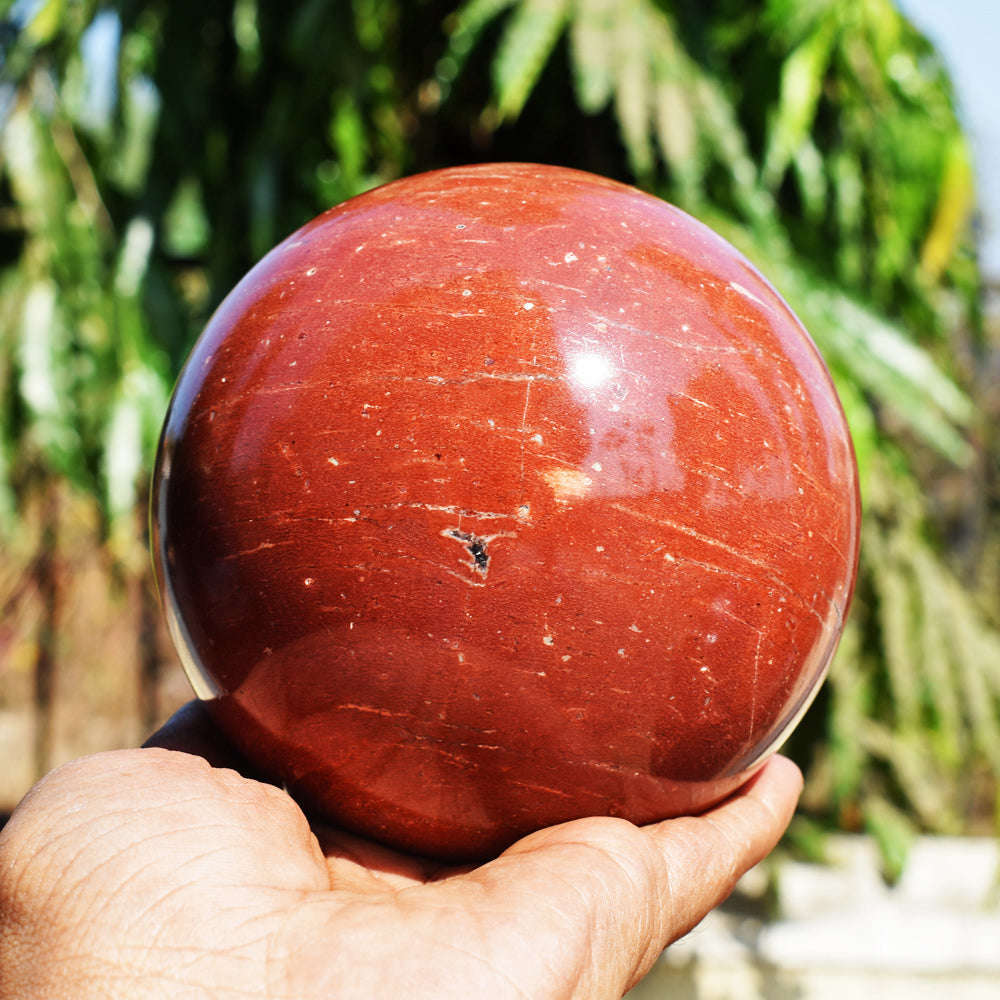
(714, 850)
(192, 730)
(352, 862)
(608, 896)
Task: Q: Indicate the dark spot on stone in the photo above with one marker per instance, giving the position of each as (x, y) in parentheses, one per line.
(478, 550)
(476, 547)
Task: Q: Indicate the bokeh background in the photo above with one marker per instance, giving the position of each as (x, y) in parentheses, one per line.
(151, 151)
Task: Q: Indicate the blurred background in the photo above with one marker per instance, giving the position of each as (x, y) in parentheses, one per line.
(151, 151)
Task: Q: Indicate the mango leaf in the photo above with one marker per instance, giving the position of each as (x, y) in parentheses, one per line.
(349, 141)
(8, 498)
(861, 421)
(592, 43)
(677, 137)
(912, 766)
(43, 356)
(45, 22)
(850, 700)
(465, 27)
(847, 181)
(895, 370)
(133, 258)
(246, 34)
(863, 345)
(38, 187)
(870, 350)
(528, 39)
(186, 228)
(951, 214)
(791, 20)
(130, 433)
(123, 453)
(720, 128)
(634, 87)
(140, 109)
(801, 84)
(948, 728)
(893, 832)
(10, 307)
(811, 175)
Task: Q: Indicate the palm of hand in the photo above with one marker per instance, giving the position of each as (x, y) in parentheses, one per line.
(152, 873)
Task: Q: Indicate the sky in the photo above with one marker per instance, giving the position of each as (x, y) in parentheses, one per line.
(967, 34)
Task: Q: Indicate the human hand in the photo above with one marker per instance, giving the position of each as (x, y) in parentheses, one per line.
(153, 873)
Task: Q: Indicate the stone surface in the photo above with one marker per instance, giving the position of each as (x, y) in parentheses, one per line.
(504, 495)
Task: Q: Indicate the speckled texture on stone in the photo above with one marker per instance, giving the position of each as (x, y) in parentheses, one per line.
(504, 495)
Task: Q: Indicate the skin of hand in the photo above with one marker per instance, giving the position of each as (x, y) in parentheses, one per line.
(164, 872)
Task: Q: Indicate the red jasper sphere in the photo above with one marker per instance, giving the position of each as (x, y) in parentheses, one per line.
(500, 496)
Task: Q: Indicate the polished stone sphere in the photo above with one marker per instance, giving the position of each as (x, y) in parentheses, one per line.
(504, 495)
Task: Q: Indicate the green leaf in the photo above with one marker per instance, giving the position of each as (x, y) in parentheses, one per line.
(810, 171)
(141, 106)
(677, 137)
(186, 228)
(949, 730)
(721, 130)
(898, 612)
(349, 142)
(861, 421)
(133, 257)
(592, 48)
(9, 316)
(801, 84)
(134, 418)
(880, 359)
(123, 454)
(912, 767)
(246, 33)
(38, 186)
(808, 840)
(973, 646)
(528, 39)
(850, 687)
(634, 87)
(469, 21)
(46, 22)
(8, 498)
(951, 214)
(898, 372)
(44, 364)
(893, 832)
(848, 185)
(465, 27)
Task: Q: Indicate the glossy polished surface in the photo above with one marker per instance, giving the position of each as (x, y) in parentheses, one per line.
(500, 496)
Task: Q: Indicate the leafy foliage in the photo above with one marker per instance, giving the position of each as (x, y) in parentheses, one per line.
(151, 152)
(824, 175)
(85, 388)
(825, 145)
